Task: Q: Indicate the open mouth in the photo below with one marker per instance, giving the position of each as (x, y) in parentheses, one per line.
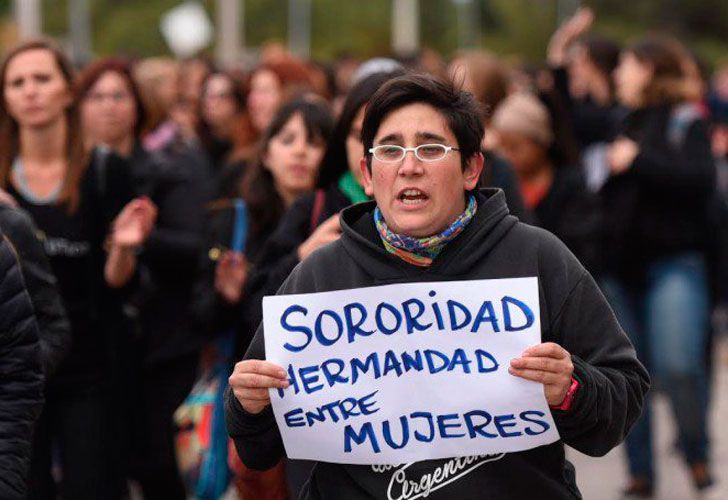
(299, 169)
(412, 196)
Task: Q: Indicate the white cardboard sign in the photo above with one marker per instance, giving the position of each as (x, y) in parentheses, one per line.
(408, 372)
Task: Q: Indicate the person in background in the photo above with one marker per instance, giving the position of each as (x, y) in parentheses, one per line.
(224, 131)
(313, 220)
(271, 84)
(112, 112)
(287, 168)
(21, 386)
(656, 233)
(162, 357)
(718, 107)
(582, 69)
(184, 112)
(113, 116)
(91, 229)
(553, 188)
(158, 82)
(481, 74)
(221, 106)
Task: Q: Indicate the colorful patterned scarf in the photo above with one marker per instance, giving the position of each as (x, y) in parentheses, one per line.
(421, 251)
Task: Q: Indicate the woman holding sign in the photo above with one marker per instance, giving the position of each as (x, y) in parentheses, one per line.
(428, 225)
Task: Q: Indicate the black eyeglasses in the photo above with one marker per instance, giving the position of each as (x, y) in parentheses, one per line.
(391, 153)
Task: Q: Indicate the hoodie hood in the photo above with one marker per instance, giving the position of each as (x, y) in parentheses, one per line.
(362, 242)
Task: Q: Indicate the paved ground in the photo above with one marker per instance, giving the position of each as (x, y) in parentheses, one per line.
(603, 478)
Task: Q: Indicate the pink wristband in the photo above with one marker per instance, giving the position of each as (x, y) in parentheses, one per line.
(569, 398)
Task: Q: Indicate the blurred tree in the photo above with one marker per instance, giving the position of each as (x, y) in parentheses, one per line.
(520, 27)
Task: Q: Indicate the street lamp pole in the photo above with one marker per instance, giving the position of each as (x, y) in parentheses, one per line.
(466, 22)
(28, 17)
(405, 26)
(299, 27)
(230, 31)
(79, 21)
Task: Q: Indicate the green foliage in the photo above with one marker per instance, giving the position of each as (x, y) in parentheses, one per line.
(523, 28)
(509, 27)
(129, 27)
(265, 20)
(337, 27)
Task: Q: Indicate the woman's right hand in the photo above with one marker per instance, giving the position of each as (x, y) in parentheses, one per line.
(134, 223)
(251, 380)
(564, 36)
(328, 231)
(231, 273)
(621, 155)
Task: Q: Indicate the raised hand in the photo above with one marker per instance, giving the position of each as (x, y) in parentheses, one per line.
(328, 231)
(621, 155)
(134, 223)
(570, 30)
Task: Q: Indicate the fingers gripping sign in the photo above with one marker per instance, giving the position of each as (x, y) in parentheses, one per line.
(549, 364)
(251, 380)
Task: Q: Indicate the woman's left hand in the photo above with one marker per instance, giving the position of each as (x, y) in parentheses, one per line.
(134, 223)
(549, 364)
(621, 155)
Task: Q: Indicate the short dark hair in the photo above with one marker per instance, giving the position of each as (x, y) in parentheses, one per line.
(459, 108)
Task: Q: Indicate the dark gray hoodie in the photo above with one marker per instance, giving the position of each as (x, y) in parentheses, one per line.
(574, 314)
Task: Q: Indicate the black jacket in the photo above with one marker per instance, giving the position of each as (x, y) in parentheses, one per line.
(659, 206)
(574, 314)
(591, 122)
(213, 316)
(573, 214)
(498, 173)
(94, 309)
(280, 254)
(21, 376)
(178, 184)
(55, 329)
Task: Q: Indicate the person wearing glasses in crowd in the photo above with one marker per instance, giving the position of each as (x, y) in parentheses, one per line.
(155, 367)
(427, 221)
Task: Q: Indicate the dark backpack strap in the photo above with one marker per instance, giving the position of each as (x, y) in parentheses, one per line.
(318, 208)
(101, 155)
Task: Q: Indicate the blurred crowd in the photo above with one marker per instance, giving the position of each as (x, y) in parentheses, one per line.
(153, 203)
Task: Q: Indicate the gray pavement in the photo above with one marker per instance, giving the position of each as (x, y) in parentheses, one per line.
(603, 478)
